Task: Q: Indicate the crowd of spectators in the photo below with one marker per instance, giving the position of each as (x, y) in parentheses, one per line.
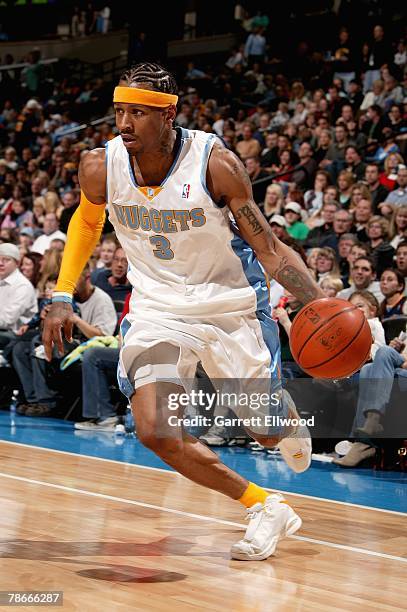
(326, 157)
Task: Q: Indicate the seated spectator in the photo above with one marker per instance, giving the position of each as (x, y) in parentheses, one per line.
(354, 163)
(336, 155)
(17, 295)
(70, 200)
(296, 228)
(398, 197)
(392, 285)
(331, 194)
(400, 57)
(268, 156)
(248, 146)
(355, 137)
(297, 94)
(368, 304)
(262, 129)
(313, 198)
(376, 381)
(331, 285)
(322, 225)
(300, 114)
(284, 315)
(362, 213)
(398, 226)
(279, 226)
(378, 193)
(396, 122)
(26, 238)
(31, 267)
(326, 264)
(312, 261)
(325, 152)
(345, 243)
(387, 147)
(284, 168)
(51, 231)
(359, 192)
(401, 258)
(39, 213)
(359, 249)
(255, 172)
(345, 184)
(342, 225)
(375, 385)
(99, 370)
(58, 244)
(393, 92)
(355, 95)
(388, 177)
(273, 202)
(281, 117)
(44, 301)
(375, 96)
(373, 127)
(50, 266)
(114, 281)
(19, 215)
(382, 252)
(97, 318)
(304, 177)
(362, 278)
(106, 253)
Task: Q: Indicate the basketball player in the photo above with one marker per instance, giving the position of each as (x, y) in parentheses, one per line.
(182, 208)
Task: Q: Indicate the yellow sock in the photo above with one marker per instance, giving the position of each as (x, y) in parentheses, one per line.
(253, 495)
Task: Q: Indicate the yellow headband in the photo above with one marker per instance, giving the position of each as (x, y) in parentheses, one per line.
(133, 95)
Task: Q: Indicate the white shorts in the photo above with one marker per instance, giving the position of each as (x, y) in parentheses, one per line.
(240, 354)
(229, 347)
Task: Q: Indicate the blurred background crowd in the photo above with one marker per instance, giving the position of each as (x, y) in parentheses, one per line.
(323, 138)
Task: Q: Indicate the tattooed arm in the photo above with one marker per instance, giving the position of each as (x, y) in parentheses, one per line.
(229, 182)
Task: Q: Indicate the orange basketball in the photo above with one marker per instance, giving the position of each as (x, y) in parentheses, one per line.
(330, 338)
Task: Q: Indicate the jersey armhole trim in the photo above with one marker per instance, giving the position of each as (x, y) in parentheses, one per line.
(107, 172)
(204, 167)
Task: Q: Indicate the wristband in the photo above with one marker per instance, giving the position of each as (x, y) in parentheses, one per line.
(61, 296)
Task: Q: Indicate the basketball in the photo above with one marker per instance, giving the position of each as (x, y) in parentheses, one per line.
(330, 338)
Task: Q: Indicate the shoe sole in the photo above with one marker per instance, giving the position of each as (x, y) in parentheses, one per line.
(211, 442)
(100, 429)
(294, 414)
(293, 525)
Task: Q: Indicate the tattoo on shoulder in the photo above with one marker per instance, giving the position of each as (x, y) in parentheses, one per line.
(247, 213)
(235, 166)
(298, 282)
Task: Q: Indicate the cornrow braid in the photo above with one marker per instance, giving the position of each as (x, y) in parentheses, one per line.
(153, 75)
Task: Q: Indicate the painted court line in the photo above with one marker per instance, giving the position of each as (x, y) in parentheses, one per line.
(200, 517)
(173, 473)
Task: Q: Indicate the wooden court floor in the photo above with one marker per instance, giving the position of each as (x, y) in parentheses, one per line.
(115, 536)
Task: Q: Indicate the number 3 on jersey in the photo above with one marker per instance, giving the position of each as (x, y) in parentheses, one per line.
(162, 250)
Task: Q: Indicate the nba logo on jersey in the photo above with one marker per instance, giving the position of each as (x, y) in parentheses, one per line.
(150, 192)
(185, 190)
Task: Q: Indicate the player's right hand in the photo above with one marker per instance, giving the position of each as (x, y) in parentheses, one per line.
(60, 316)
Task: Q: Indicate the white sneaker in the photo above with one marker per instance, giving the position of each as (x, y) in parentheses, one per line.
(268, 524)
(296, 449)
(214, 436)
(3, 361)
(108, 424)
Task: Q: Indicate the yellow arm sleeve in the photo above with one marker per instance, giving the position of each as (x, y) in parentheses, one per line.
(83, 235)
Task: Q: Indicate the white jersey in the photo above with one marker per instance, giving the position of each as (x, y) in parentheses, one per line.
(184, 255)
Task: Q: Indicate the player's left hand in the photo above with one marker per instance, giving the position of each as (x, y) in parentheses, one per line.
(60, 316)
